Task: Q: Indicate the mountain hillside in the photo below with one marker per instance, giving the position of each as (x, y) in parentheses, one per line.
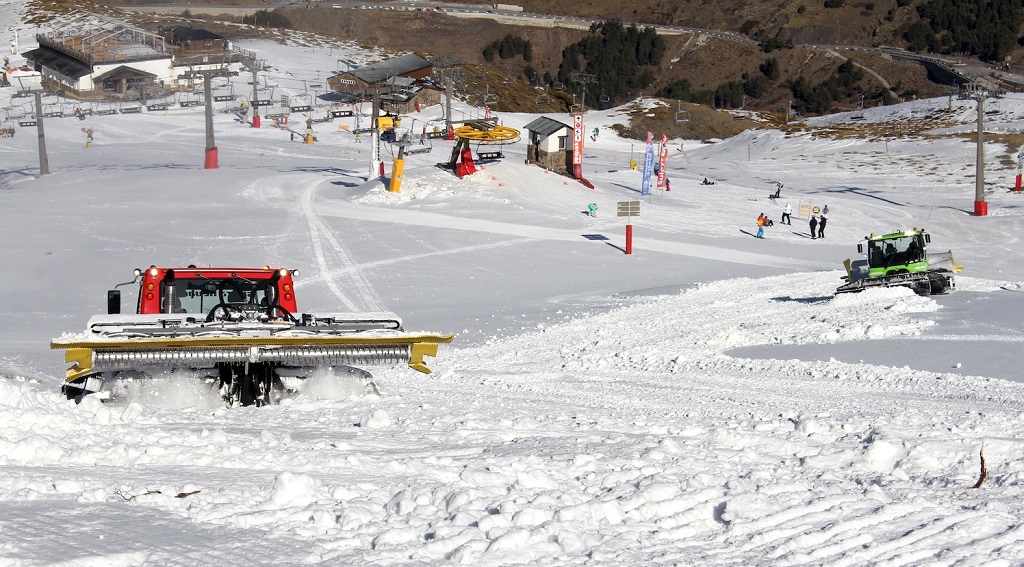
(714, 70)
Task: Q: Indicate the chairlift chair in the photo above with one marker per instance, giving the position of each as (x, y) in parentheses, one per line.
(482, 155)
(226, 97)
(188, 99)
(682, 116)
(106, 109)
(425, 146)
(53, 110)
(130, 107)
(301, 103)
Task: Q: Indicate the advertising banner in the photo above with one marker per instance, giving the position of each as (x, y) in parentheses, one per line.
(645, 189)
(577, 139)
(662, 157)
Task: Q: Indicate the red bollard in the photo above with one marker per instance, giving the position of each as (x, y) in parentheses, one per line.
(980, 209)
(629, 239)
(1016, 187)
(211, 159)
(255, 120)
(382, 169)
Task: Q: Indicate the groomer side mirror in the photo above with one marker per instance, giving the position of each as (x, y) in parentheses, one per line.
(113, 301)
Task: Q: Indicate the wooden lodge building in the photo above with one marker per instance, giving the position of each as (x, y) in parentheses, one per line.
(401, 83)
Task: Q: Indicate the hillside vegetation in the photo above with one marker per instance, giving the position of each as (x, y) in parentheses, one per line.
(534, 69)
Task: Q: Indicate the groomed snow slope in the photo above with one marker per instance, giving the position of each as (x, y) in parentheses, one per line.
(705, 401)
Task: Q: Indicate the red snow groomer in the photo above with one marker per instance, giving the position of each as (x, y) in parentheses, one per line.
(238, 329)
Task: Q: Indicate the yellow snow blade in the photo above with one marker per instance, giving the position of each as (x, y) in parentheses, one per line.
(86, 356)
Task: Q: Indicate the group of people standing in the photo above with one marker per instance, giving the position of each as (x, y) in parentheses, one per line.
(817, 222)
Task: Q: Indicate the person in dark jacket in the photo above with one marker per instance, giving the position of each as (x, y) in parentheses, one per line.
(814, 227)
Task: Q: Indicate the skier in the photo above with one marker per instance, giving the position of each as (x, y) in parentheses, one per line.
(814, 226)
(760, 226)
(592, 209)
(785, 214)
(821, 223)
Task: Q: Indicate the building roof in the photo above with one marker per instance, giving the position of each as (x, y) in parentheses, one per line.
(381, 71)
(66, 65)
(123, 69)
(546, 126)
(184, 33)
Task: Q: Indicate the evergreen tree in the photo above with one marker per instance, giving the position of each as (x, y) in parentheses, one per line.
(770, 69)
(619, 57)
(987, 28)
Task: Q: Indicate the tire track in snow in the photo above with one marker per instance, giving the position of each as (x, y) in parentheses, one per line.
(319, 233)
(447, 252)
(934, 529)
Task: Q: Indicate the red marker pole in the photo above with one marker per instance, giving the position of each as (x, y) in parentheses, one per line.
(1020, 169)
(629, 239)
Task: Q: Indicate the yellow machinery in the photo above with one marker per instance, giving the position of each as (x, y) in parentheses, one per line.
(483, 132)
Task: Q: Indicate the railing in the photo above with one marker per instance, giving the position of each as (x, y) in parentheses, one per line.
(59, 78)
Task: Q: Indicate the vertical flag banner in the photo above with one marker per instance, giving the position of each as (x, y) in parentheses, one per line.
(577, 145)
(645, 189)
(662, 156)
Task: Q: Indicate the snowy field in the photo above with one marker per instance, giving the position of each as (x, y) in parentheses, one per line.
(707, 400)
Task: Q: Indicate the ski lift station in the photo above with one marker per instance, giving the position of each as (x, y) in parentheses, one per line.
(549, 144)
(397, 81)
(89, 55)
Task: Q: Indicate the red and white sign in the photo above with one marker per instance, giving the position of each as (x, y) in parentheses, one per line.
(577, 139)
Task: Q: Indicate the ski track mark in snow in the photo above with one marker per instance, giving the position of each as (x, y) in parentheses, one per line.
(319, 232)
(447, 252)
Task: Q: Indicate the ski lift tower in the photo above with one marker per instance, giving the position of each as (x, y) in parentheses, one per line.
(446, 73)
(976, 92)
(488, 100)
(254, 65)
(376, 165)
(210, 161)
(583, 79)
(33, 84)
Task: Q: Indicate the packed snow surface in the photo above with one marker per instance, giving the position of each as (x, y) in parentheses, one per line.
(706, 400)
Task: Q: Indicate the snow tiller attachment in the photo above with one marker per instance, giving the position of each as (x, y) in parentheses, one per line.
(237, 329)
